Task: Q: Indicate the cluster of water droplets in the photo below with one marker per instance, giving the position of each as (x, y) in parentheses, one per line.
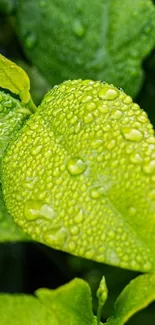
(86, 158)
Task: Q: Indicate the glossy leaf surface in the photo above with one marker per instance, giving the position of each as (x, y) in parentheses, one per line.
(80, 175)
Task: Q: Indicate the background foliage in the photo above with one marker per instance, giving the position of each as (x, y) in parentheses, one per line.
(27, 266)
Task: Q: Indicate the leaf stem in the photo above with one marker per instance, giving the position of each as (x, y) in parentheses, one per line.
(31, 106)
(99, 312)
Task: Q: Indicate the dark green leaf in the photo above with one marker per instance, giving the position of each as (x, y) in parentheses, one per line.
(103, 40)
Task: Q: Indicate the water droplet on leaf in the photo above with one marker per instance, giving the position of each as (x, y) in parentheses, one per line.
(151, 194)
(90, 106)
(132, 134)
(56, 237)
(76, 166)
(135, 158)
(42, 3)
(78, 28)
(117, 115)
(36, 209)
(79, 217)
(132, 211)
(108, 93)
(71, 246)
(74, 230)
(96, 192)
(149, 168)
(30, 41)
(127, 100)
(88, 118)
(36, 150)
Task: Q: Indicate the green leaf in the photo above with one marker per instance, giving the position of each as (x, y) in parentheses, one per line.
(103, 40)
(14, 78)
(7, 6)
(24, 310)
(12, 117)
(69, 304)
(137, 295)
(9, 231)
(84, 182)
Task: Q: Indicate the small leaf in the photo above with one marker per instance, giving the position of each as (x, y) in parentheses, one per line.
(70, 303)
(14, 78)
(137, 295)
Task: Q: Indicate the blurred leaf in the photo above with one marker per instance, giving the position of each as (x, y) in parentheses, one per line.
(146, 97)
(137, 295)
(7, 6)
(106, 40)
(39, 85)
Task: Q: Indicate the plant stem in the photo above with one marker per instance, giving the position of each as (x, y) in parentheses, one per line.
(31, 106)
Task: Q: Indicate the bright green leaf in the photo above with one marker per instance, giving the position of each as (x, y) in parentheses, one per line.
(71, 303)
(84, 182)
(137, 295)
(101, 40)
(24, 310)
(9, 231)
(14, 78)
